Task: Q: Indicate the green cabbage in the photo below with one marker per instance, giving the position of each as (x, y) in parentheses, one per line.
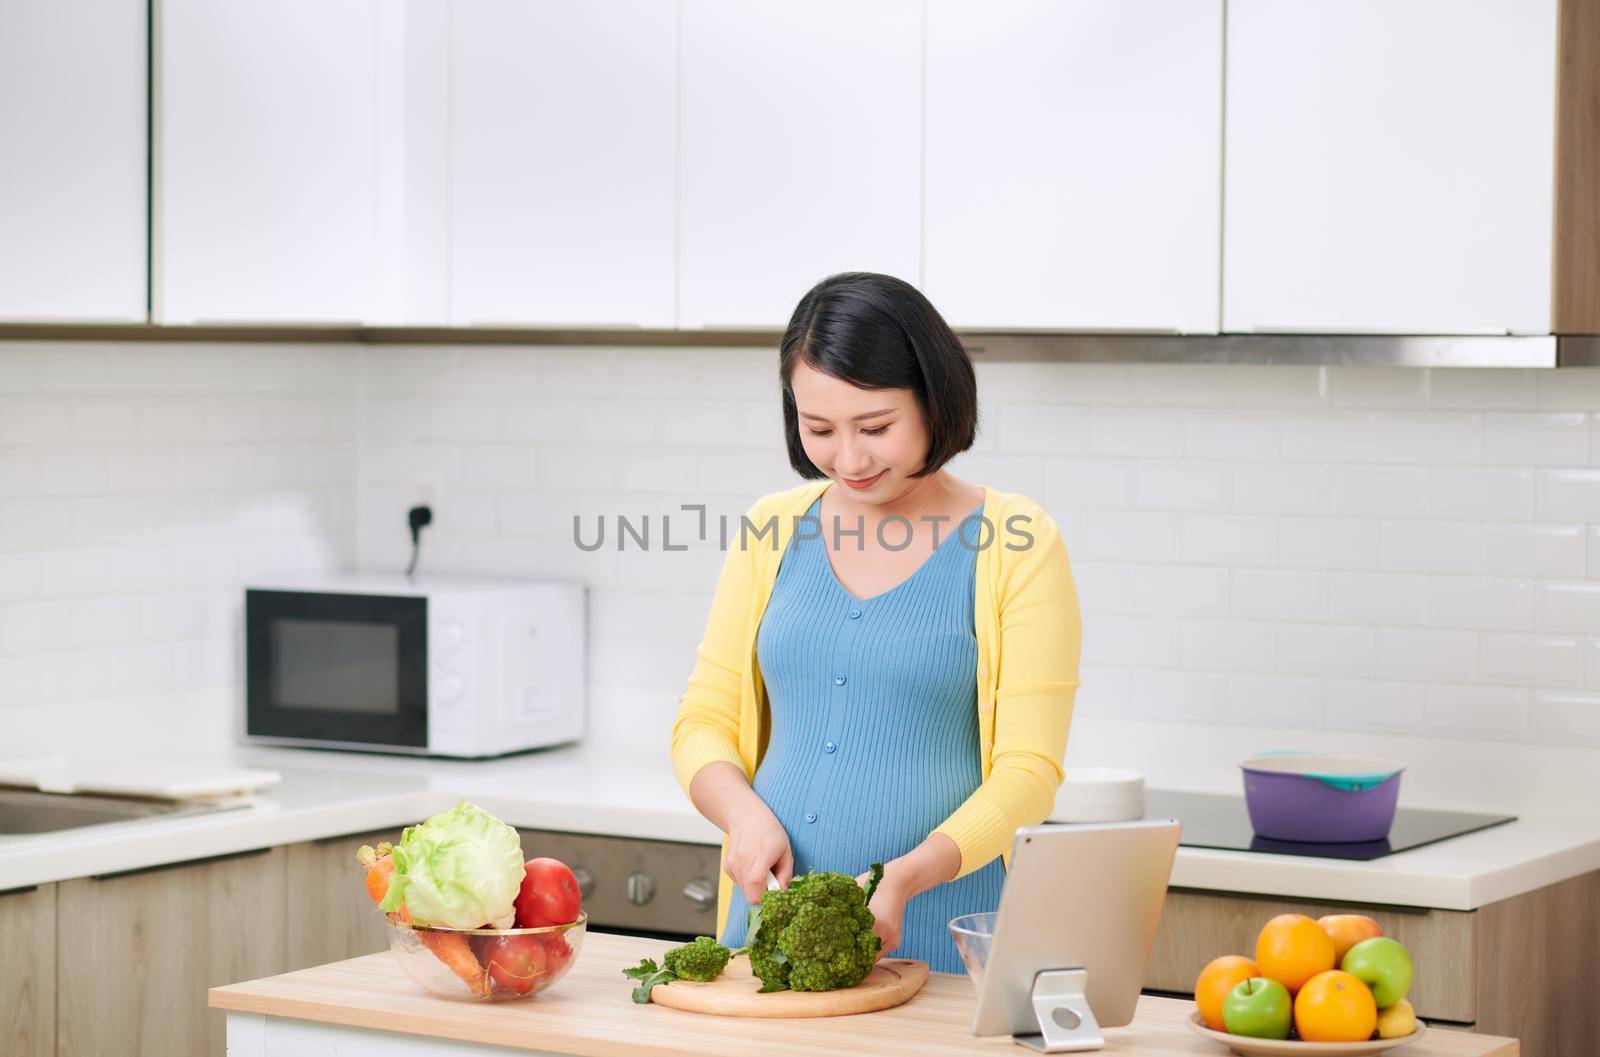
(461, 869)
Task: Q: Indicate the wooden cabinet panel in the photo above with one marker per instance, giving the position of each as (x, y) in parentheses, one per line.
(1198, 926)
(329, 915)
(1074, 164)
(801, 152)
(72, 185)
(1389, 165)
(28, 972)
(1533, 961)
(138, 951)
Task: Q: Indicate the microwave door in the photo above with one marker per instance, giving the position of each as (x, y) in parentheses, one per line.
(347, 668)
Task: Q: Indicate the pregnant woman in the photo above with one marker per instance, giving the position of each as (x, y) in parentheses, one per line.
(888, 669)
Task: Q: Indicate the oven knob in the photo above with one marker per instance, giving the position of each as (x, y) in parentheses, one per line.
(450, 687)
(585, 878)
(701, 892)
(641, 888)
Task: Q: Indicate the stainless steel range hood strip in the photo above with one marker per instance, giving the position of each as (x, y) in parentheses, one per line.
(1352, 350)
(1320, 350)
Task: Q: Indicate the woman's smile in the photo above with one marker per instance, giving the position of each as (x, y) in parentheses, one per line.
(864, 482)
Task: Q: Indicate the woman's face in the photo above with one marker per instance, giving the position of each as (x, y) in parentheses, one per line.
(869, 441)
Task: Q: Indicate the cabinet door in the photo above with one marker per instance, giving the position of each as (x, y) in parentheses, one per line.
(801, 148)
(267, 161)
(564, 151)
(330, 916)
(137, 953)
(1389, 165)
(1074, 154)
(72, 186)
(28, 972)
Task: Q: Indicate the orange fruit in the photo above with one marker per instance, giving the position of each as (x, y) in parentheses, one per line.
(1216, 980)
(1335, 1007)
(1348, 930)
(1292, 949)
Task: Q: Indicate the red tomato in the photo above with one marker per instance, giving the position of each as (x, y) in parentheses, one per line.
(549, 895)
(558, 952)
(516, 962)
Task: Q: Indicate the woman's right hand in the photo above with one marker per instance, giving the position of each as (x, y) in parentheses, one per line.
(757, 844)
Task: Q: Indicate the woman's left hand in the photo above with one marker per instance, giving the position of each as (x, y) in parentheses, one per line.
(888, 907)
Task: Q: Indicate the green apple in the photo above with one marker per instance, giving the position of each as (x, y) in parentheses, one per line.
(1259, 1008)
(1383, 965)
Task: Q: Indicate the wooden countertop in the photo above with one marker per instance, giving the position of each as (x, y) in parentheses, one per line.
(589, 1013)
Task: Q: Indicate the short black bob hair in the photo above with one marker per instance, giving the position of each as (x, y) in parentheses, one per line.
(878, 332)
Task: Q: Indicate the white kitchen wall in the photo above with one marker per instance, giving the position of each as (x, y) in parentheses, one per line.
(1367, 560)
(1370, 560)
(140, 487)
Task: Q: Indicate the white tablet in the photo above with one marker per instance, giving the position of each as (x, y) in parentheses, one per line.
(1076, 923)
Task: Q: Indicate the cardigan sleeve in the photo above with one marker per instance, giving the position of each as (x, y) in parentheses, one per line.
(707, 727)
(1036, 667)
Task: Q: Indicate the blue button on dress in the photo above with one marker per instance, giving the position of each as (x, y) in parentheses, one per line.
(874, 738)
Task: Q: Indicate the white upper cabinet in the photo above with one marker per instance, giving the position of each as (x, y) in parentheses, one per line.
(1389, 165)
(800, 151)
(565, 153)
(1074, 153)
(72, 160)
(268, 165)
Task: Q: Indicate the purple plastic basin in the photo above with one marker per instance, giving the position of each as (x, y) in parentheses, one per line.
(1300, 807)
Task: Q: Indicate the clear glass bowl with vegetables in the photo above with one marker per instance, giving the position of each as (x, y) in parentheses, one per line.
(467, 916)
(491, 965)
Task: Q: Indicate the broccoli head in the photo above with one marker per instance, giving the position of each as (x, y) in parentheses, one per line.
(815, 935)
(701, 960)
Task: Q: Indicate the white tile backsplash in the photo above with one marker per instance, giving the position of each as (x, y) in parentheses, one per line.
(1427, 654)
(1570, 607)
(1333, 437)
(1475, 491)
(1547, 439)
(141, 486)
(1565, 719)
(1290, 549)
(1280, 594)
(1382, 552)
(1434, 546)
(1326, 649)
(1531, 660)
(1432, 437)
(1569, 495)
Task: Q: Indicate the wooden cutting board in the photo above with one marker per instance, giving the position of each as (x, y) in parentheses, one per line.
(734, 993)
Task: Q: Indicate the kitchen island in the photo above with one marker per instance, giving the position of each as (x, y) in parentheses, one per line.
(366, 1007)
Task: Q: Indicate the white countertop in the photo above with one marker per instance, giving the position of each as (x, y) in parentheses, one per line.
(580, 790)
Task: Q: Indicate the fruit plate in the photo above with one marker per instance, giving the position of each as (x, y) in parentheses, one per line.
(1296, 1048)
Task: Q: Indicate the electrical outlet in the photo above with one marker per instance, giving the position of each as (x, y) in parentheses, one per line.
(425, 493)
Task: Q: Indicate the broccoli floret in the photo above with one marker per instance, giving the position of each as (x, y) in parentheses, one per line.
(701, 960)
(815, 935)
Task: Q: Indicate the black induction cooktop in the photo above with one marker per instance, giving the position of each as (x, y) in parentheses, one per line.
(1214, 820)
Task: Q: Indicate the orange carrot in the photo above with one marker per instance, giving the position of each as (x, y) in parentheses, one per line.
(450, 949)
(454, 951)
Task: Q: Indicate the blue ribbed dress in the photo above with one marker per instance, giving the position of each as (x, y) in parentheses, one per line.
(874, 737)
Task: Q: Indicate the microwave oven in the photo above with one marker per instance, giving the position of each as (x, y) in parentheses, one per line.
(459, 666)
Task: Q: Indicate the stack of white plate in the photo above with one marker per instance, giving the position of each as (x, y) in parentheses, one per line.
(1099, 794)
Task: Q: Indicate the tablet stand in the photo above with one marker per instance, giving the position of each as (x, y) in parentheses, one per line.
(1066, 1022)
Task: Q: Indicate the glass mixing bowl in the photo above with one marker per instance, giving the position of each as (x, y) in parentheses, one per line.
(974, 934)
(486, 965)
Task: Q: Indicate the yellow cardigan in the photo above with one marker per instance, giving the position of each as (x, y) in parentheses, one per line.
(1025, 615)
